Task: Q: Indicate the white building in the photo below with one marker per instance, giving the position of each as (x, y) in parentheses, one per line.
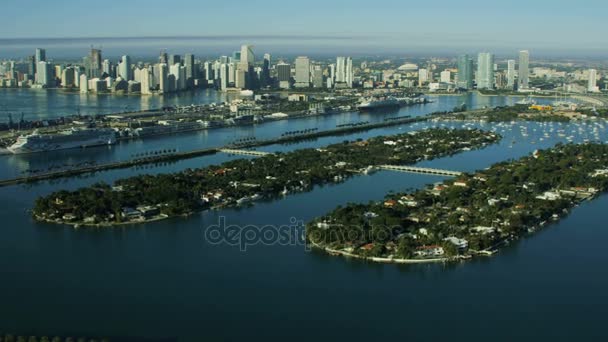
(524, 69)
(84, 84)
(511, 73)
(592, 86)
(302, 76)
(445, 76)
(485, 71)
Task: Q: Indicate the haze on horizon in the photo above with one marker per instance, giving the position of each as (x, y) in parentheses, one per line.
(441, 26)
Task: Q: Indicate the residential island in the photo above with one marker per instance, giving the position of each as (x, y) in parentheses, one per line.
(146, 198)
(471, 215)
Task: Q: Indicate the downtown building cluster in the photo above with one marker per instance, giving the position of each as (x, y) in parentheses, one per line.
(174, 73)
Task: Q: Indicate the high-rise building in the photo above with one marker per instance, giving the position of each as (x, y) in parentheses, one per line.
(162, 78)
(284, 75)
(445, 76)
(145, 80)
(190, 67)
(592, 85)
(67, 78)
(163, 58)
(524, 69)
(465, 72)
(265, 76)
(175, 59)
(107, 68)
(224, 76)
(44, 74)
(94, 68)
(124, 68)
(423, 76)
(485, 71)
(317, 76)
(344, 71)
(510, 73)
(302, 76)
(40, 56)
(247, 55)
(84, 84)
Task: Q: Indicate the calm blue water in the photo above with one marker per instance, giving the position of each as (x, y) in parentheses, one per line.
(165, 280)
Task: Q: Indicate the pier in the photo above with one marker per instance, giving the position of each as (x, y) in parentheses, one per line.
(422, 170)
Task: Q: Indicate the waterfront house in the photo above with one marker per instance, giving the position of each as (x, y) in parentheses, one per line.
(461, 244)
(429, 251)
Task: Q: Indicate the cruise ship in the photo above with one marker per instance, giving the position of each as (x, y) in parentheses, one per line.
(389, 102)
(67, 139)
(375, 103)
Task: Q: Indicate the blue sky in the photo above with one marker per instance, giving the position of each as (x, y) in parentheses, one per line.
(542, 24)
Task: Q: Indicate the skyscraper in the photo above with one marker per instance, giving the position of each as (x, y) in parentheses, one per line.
(247, 55)
(302, 72)
(162, 78)
(95, 63)
(189, 64)
(317, 76)
(524, 72)
(266, 71)
(124, 68)
(44, 74)
(283, 75)
(40, 55)
(485, 71)
(465, 72)
(344, 71)
(510, 73)
(592, 85)
(174, 59)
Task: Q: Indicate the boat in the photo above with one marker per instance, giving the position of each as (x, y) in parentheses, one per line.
(529, 101)
(378, 103)
(72, 138)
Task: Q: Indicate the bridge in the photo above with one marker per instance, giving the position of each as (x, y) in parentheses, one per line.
(244, 152)
(423, 170)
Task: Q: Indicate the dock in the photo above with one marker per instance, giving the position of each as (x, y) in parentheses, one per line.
(422, 170)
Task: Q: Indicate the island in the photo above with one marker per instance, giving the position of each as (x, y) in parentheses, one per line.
(473, 214)
(145, 198)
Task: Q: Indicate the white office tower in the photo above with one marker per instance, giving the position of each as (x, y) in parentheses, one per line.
(145, 81)
(240, 80)
(224, 77)
(208, 66)
(106, 67)
(344, 72)
(340, 70)
(124, 68)
(524, 69)
(317, 77)
(67, 78)
(510, 73)
(43, 74)
(423, 77)
(592, 87)
(247, 56)
(76, 77)
(84, 84)
(485, 71)
(231, 73)
(302, 76)
(162, 78)
(446, 76)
